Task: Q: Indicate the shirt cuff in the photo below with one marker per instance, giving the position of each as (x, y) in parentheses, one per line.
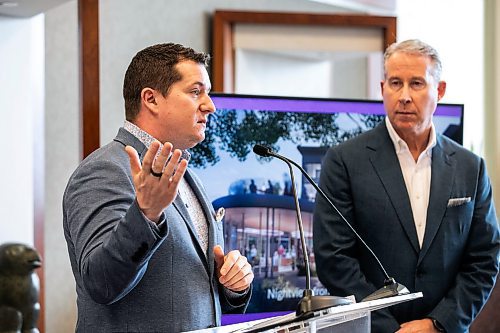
(235, 294)
(158, 228)
(437, 325)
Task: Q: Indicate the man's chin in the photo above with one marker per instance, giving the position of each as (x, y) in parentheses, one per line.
(201, 137)
(403, 123)
(195, 142)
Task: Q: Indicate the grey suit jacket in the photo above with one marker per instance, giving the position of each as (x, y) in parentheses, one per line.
(457, 264)
(131, 275)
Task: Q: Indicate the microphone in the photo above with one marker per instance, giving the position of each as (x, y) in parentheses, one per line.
(309, 302)
(391, 287)
(262, 150)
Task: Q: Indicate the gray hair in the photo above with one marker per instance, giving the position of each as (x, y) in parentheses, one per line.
(415, 47)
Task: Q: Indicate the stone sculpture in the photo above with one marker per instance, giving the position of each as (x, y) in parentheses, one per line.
(19, 288)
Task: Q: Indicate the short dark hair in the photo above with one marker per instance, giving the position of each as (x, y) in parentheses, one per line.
(154, 67)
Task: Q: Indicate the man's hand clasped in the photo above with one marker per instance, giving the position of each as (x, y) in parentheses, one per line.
(234, 271)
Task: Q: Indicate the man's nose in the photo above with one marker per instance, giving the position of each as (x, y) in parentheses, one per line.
(405, 96)
(208, 105)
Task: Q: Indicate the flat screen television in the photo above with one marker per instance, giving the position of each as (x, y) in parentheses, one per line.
(260, 216)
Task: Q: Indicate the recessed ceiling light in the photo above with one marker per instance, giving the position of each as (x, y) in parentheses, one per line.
(8, 4)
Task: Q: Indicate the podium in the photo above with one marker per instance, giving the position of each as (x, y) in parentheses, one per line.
(352, 318)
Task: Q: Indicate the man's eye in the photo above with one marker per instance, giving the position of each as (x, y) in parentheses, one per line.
(196, 92)
(417, 85)
(395, 84)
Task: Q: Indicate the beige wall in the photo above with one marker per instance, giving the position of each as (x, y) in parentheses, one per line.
(61, 156)
(21, 74)
(492, 95)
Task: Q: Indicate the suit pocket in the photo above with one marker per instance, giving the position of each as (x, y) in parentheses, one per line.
(458, 218)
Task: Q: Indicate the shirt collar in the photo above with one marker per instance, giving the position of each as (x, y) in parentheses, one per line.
(147, 139)
(400, 145)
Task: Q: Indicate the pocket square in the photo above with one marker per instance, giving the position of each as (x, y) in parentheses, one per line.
(458, 201)
(219, 215)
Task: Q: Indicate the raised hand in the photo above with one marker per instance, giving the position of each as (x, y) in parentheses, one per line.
(157, 179)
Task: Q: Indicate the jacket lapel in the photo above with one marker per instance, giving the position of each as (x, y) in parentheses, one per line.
(209, 214)
(386, 165)
(442, 174)
(183, 212)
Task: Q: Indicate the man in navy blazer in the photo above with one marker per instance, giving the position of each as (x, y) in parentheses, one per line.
(422, 203)
(145, 244)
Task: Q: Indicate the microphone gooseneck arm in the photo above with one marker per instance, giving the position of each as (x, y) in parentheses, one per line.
(299, 221)
(309, 302)
(320, 191)
(390, 288)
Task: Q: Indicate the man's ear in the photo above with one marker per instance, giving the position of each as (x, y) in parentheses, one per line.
(148, 99)
(441, 89)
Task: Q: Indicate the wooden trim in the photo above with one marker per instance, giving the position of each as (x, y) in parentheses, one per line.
(223, 54)
(224, 22)
(88, 28)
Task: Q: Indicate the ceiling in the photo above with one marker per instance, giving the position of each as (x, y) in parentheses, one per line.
(27, 8)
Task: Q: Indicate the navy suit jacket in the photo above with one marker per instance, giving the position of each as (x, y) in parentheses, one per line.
(458, 262)
(131, 275)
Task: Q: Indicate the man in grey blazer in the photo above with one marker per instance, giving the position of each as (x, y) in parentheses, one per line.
(422, 203)
(145, 244)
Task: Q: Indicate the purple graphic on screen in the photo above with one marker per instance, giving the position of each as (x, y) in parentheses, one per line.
(291, 104)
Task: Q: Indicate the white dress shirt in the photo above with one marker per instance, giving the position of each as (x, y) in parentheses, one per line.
(417, 176)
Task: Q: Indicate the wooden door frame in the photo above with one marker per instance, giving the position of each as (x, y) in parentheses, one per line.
(88, 28)
(225, 21)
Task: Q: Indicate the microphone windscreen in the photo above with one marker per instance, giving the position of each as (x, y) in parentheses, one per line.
(261, 150)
